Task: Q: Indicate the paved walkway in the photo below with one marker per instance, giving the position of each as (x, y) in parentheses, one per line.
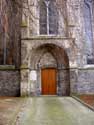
(9, 108)
(54, 111)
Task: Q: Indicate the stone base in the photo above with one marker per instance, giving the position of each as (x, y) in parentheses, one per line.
(9, 83)
(82, 80)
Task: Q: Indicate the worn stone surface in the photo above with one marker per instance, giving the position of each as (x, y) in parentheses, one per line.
(85, 83)
(54, 111)
(9, 83)
(10, 35)
(47, 52)
(69, 50)
(9, 108)
(10, 32)
(75, 38)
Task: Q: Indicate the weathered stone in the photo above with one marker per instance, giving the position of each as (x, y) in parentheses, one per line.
(69, 50)
(9, 83)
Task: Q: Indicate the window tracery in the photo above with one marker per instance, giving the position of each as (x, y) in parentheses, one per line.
(48, 17)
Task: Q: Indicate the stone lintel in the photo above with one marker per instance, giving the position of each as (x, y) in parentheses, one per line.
(43, 37)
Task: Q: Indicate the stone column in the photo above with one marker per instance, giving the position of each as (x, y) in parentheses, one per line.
(73, 80)
(24, 82)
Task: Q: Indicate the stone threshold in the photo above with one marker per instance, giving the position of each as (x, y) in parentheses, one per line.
(48, 96)
(82, 102)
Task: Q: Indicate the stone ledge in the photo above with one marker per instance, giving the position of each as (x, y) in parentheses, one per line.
(88, 67)
(24, 66)
(40, 37)
(72, 68)
(24, 24)
(7, 67)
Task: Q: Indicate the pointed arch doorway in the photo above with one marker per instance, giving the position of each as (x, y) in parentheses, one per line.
(51, 64)
(48, 79)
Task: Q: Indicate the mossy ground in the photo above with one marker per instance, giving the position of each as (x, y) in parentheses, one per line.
(54, 111)
(44, 111)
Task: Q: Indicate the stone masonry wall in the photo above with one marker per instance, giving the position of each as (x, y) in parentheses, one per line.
(9, 83)
(74, 43)
(85, 81)
(82, 80)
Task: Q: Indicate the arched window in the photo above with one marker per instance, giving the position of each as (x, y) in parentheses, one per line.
(6, 48)
(88, 30)
(6, 42)
(43, 18)
(48, 17)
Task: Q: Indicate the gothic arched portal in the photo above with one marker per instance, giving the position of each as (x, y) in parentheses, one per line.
(49, 57)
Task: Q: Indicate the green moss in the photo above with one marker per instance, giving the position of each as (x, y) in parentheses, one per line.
(24, 66)
(24, 24)
(7, 67)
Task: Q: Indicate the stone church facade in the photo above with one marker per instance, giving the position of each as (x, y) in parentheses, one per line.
(56, 35)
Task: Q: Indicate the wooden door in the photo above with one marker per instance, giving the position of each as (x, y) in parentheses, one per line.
(48, 81)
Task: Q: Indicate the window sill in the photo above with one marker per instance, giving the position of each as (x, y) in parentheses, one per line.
(88, 66)
(7, 67)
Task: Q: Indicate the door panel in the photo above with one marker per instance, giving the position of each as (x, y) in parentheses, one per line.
(48, 81)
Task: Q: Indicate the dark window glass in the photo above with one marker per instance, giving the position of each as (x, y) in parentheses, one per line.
(52, 18)
(43, 18)
(6, 45)
(88, 30)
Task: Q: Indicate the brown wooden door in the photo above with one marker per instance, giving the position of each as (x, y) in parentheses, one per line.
(48, 81)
